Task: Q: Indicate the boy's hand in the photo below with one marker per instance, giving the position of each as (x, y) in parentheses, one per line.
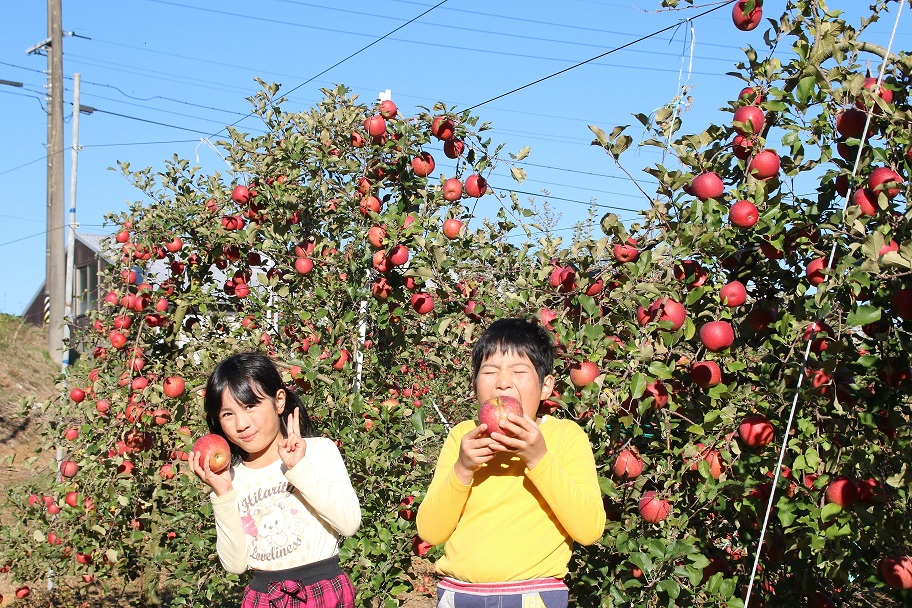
(525, 439)
(219, 482)
(474, 451)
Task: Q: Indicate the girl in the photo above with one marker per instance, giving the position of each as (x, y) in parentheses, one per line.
(287, 498)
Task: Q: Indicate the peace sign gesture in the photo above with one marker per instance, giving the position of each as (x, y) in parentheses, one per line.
(293, 447)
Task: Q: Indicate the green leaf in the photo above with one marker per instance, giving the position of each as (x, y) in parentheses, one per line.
(805, 89)
(830, 511)
(418, 421)
(863, 315)
(660, 371)
(671, 587)
(600, 136)
(637, 385)
(522, 153)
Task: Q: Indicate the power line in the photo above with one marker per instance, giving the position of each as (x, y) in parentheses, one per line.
(590, 60)
(152, 122)
(359, 51)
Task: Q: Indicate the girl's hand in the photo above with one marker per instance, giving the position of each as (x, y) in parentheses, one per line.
(219, 482)
(293, 447)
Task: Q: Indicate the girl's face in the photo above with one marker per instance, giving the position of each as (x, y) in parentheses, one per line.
(253, 428)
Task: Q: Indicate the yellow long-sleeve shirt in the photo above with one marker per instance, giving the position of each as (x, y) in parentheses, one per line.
(513, 524)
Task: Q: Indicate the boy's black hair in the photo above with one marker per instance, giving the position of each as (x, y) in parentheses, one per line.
(516, 335)
(249, 377)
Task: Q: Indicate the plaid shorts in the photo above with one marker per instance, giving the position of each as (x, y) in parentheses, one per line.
(336, 592)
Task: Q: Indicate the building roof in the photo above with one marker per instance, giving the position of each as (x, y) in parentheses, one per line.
(98, 243)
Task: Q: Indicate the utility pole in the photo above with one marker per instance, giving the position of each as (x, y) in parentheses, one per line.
(55, 260)
(71, 232)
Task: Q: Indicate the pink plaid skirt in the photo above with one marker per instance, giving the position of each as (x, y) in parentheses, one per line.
(334, 592)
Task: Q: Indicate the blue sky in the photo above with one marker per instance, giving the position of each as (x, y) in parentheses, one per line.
(190, 64)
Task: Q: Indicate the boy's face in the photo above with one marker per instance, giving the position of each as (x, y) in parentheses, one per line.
(510, 373)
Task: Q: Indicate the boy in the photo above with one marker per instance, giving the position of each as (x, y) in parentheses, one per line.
(509, 506)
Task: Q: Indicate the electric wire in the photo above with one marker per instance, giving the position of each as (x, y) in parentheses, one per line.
(605, 54)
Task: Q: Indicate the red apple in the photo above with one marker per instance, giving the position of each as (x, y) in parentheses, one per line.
(733, 294)
(240, 194)
(453, 148)
(214, 448)
(495, 410)
(452, 189)
(23, 592)
(671, 311)
(405, 512)
(305, 265)
(814, 271)
(751, 95)
(476, 186)
(866, 200)
(376, 236)
(627, 465)
(902, 303)
(451, 228)
(851, 123)
(842, 491)
(652, 508)
(690, 269)
(68, 468)
(626, 252)
(118, 340)
(764, 165)
(375, 125)
(78, 395)
(398, 255)
(870, 491)
(442, 128)
(884, 175)
(748, 120)
(755, 430)
(707, 185)
(71, 433)
(705, 374)
(71, 498)
(368, 204)
(743, 214)
(423, 164)
(659, 393)
(742, 147)
(422, 303)
(746, 20)
(896, 571)
(717, 335)
(583, 373)
(173, 386)
(388, 109)
(870, 84)
(420, 547)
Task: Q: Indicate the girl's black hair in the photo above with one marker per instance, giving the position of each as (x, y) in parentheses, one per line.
(249, 377)
(521, 336)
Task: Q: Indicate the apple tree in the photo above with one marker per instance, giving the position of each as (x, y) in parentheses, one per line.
(768, 275)
(332, 243)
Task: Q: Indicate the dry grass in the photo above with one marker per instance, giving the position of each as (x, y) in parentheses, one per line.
(26, 373)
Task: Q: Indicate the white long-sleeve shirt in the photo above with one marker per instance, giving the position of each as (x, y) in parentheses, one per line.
(275, 518)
